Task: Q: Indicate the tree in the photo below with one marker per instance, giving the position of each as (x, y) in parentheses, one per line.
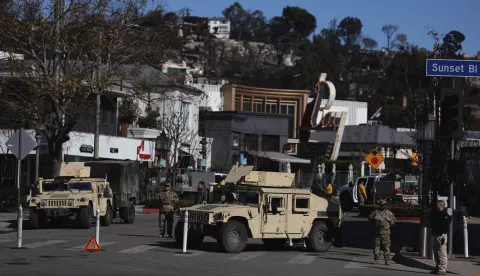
(72, 51)
(127, 111)
(401, 42)
(299, 21)
(240, 21)
(389, 30)
(452, 43)
(350, 30)
(175, 122)
(369, 43)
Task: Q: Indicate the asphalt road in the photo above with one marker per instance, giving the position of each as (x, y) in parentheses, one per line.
(138, 250)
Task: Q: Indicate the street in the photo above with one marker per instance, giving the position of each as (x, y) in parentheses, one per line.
(137, 249)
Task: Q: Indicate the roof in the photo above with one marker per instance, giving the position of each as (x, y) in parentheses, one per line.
(367, 134)
(279, 157)
(286, 190)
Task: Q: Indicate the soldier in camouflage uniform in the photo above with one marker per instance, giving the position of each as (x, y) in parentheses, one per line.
(382, 219)
(168, 199)
(202, 194)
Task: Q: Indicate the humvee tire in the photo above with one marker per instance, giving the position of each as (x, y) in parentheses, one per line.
(108, 218)
(36, 219)
(317, 240)
(274, 243)
(193, 240)
(127, 214)
(84, 217)
(233, 236)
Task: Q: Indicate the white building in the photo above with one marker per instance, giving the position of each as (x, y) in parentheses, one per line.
(219, 27)
(357, 112)
(179, 108)
(213, 98)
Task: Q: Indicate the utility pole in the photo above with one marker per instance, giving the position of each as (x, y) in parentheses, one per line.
(96, 143)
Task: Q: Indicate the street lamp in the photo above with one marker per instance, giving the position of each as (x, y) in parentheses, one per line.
(426, 136)
(163, 144)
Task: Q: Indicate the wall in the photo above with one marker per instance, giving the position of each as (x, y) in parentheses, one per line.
(127, 147)
(214, 95)
(357, 112)
(222, 126)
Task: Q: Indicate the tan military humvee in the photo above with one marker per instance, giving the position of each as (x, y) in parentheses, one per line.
(255, 204)
(74, 192)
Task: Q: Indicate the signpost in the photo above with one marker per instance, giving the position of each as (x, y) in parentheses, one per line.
(374, 158)
(20, 144)
(453, 68)
(457, 69)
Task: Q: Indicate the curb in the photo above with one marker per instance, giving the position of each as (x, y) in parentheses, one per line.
(400, 258)
(150, 211)
(407, 219)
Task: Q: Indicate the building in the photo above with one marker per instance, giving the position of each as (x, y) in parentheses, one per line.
(219, 27)
(257, 137)
(177, 107)
(213, 99)
(265, 100)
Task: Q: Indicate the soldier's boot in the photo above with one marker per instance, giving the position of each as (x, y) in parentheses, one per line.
(375, 261)
(387, 261)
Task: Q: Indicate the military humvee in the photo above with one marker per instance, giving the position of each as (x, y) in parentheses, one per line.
(74, 192)
(256, 204)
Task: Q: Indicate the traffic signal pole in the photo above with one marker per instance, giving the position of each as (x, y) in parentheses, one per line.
(451, 206)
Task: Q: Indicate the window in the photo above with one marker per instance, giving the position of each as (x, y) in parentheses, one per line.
(276, 201)
(301, 203)
(287, 109)
(246, 105)
(185, 113)
(258, 107)
(81, 186)
(173, 71)
(271, 108)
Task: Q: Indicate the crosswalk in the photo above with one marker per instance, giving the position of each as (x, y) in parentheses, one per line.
(291, 258)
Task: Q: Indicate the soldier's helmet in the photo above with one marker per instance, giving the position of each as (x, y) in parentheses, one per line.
(382, 202)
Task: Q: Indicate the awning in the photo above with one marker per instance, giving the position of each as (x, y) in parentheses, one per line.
(279, 157)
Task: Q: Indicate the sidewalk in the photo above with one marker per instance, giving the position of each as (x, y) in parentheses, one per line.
(456, 264)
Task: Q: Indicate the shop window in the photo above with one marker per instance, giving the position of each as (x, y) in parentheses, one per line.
(258, 107)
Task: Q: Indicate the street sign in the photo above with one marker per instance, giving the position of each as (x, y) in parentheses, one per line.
(453, 68)
(21, 144)
(374, 158)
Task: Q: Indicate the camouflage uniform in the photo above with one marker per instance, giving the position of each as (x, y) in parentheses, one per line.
(381, 234)
(167, 203)
(201, 196)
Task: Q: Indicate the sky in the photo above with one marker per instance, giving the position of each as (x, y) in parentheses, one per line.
(413, 17)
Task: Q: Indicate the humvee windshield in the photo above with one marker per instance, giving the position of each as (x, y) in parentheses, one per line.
(81, 186)
(53, 186)
(250, 198)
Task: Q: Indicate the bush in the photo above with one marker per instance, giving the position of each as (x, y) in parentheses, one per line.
(398, 211)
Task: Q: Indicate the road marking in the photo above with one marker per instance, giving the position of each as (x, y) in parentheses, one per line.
(247, 256)
(81, 247)
(302, 259)
(4, 241)
(356, 264)
(191, 253)
(138, 249)
(40, 244)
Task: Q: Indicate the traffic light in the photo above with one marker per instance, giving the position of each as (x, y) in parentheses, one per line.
(451, 113)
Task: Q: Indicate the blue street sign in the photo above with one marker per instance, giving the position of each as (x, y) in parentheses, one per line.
(453, 68)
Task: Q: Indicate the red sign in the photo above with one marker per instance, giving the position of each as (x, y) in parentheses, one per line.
(141, 152)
